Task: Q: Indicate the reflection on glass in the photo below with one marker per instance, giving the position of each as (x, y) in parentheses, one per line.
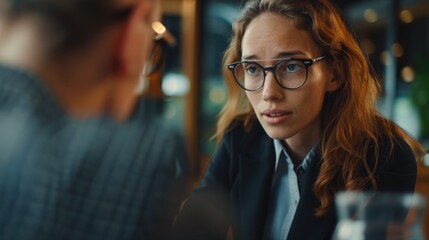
(375, 215)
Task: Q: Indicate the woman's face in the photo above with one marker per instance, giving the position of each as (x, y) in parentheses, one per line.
(292, 115)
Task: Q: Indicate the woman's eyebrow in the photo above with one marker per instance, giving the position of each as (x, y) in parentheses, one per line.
(287, 54)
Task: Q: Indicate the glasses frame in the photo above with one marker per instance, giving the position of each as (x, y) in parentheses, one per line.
(307, 63)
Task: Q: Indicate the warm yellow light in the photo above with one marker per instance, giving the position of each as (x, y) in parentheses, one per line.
(159, 28)
(217, 95)
(408, 74)
(386, 58)
(397, 50)
(406, 16)
(370, 15)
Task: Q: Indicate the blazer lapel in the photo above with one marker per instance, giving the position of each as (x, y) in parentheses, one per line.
(256, 170)
(305, 224)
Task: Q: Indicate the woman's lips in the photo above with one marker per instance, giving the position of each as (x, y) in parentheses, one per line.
(275, 117)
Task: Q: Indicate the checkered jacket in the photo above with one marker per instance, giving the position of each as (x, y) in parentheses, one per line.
(64, 178)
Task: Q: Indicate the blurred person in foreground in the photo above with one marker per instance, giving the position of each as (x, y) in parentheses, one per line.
(300, 125)
(75, 161)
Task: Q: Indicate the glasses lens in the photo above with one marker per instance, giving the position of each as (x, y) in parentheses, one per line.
(249, 76)
(291, 73)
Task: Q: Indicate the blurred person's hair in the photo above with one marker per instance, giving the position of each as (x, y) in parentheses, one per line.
(68, 23)
(351, 125)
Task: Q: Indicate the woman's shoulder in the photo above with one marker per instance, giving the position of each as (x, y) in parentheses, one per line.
(394, 151)
(397, 166)
(393, 142)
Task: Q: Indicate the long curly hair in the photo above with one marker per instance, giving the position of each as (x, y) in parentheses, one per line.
(351, 124)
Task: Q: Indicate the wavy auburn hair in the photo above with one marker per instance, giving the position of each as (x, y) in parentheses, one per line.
(351, 124)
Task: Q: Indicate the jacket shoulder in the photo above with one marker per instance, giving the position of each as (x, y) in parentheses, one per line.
(397, 166)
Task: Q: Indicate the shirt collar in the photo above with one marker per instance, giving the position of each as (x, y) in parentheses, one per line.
(308, 160)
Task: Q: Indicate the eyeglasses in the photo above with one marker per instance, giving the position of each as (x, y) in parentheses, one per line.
(290, 73)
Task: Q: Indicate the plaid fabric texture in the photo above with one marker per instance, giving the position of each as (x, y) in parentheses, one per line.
(62, 178)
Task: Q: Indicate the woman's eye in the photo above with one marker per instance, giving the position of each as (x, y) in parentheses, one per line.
(252, 69)
(292, 67)
(289, 67)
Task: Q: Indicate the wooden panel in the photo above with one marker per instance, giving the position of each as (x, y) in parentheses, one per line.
(422, 187)
(172, 7)
(190, 66)
(187, 10)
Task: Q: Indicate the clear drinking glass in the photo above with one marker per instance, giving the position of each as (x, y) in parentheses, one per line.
(377, 216)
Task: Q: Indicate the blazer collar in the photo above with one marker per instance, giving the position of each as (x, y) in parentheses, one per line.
(256, 166)
(257, 162)
(321, 227)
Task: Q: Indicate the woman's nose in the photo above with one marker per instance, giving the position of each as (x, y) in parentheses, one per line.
(271, 91)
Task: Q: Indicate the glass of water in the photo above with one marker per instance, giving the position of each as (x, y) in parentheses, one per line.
(378, 215)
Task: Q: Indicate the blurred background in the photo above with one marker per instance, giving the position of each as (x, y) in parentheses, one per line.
(189, 88)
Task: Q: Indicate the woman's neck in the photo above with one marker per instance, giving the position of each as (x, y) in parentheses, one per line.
(301, 143)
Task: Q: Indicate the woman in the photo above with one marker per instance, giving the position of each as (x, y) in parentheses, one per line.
(302, 98)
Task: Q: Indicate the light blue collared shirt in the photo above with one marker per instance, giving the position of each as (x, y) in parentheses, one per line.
(291, 192)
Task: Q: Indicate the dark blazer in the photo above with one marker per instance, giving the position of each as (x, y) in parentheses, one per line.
(236, 189)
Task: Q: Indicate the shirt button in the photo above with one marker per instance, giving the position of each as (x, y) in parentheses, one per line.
(300, 171)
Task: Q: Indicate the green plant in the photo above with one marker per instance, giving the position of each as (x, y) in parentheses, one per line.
(420, 94)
